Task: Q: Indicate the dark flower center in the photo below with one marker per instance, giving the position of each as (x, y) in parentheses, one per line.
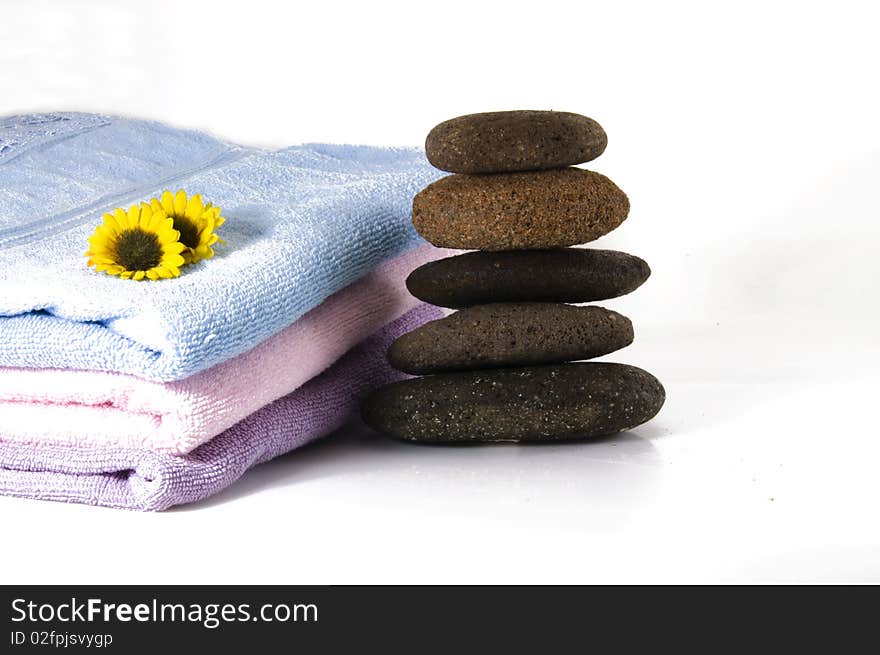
(189, 231)
(137, 250)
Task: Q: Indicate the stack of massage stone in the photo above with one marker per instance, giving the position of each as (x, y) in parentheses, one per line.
(501, 368)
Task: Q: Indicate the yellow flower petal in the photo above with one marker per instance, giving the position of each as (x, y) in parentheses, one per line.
(109, 222)
(168, 236)
(156, 221)
(138, 275)
(146, 218)
(180, 202)
(168, 202)
(121, 218)
(194, 207)
(100, 235)
(152, 274)
(166, 228)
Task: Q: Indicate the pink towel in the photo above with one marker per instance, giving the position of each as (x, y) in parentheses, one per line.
(88, 408)
(142, 479)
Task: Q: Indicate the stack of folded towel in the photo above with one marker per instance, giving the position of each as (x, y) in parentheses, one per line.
(144, 394)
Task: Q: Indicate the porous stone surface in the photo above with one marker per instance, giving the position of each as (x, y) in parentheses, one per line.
(510, 334)
(559, 275)
(537, 403)
(509, 141)
(519, 211)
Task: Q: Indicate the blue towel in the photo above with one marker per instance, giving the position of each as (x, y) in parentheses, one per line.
(301, 223)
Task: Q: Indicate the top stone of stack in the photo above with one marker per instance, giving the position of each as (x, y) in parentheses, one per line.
(514, 141)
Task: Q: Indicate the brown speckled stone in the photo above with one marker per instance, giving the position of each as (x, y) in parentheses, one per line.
(510, 334)
(560, 275)
(536, 403)
(518, 211)
(510, 141)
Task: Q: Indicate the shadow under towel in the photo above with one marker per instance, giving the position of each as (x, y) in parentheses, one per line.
(301, 224)
(146, 480)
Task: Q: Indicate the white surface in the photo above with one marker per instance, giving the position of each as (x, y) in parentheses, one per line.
(748, 141)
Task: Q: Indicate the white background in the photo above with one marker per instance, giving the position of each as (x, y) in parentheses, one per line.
(748, 140)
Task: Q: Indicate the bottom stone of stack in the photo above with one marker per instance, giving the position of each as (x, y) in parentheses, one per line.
(563, 402)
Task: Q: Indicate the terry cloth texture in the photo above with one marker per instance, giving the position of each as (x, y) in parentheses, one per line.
(145, 480)
(301, 224)
(93, 408)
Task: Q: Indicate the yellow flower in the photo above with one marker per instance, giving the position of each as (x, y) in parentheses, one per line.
(195, 220)
(136, 244)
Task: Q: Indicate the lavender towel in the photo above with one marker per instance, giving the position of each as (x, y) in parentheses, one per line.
(146, 480)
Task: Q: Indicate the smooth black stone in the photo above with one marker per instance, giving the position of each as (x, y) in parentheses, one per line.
(538, 403)
(510, 334)
(560, 275)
